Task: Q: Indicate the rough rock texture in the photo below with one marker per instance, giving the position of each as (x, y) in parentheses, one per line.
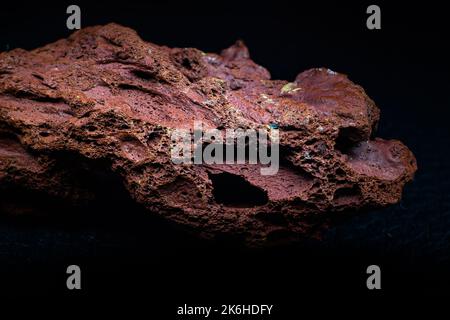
(106, 101)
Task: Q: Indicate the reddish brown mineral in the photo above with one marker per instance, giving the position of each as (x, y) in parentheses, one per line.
(107, 98)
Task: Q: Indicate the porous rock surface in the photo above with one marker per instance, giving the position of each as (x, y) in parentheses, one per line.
(108, 100)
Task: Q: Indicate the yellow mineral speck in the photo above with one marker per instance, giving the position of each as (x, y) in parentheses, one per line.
(290, 87)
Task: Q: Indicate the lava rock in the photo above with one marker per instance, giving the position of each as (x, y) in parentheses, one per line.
(104, 102)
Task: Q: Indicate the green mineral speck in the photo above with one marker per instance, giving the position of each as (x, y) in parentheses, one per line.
(273, 126)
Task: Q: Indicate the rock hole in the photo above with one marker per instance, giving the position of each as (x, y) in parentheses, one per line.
(35, 97)
(91, 128)
(347, 138)
(187, 63)
(144, 75)
(340, 173)
(234, 191)
(347, 195)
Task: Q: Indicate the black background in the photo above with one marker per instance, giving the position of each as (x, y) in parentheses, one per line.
(124, 252)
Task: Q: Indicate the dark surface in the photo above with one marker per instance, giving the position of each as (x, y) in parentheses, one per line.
(404, 68)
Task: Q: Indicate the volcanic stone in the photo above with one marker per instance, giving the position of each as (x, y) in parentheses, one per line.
(107, 100)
